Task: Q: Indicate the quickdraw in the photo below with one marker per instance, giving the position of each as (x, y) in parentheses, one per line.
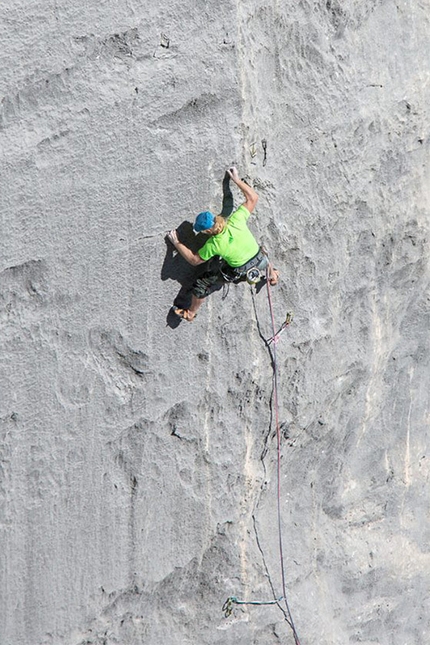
(288, 320)
(232, 600)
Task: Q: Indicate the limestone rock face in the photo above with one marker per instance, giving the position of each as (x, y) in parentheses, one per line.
(138, 456)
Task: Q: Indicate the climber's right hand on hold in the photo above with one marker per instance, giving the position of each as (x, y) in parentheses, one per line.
(234, 175)
(251, 196)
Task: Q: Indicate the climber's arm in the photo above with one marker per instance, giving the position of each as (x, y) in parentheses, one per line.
(187, 254)
(251, 197)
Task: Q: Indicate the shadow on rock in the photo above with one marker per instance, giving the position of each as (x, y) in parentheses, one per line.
(175, 267)
(227, 197)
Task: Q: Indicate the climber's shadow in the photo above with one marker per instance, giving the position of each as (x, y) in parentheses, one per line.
(227, 197)
(175, 267)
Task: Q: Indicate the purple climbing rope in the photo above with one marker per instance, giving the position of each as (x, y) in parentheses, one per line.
(275, 338)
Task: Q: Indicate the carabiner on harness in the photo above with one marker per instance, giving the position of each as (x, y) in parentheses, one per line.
(253, 275)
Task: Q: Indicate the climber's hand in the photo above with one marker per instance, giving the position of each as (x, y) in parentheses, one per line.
(172, 236)
(232, 171)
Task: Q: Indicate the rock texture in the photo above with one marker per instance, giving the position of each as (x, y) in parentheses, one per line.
(138, 457)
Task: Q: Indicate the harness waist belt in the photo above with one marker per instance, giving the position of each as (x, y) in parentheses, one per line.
(251, 263)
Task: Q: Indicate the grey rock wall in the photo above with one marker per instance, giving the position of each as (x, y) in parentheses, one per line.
(138, 458)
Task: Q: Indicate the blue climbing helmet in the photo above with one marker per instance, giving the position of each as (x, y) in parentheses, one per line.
(204, 221)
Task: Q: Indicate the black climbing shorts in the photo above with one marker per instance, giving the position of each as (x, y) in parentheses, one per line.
(211, 280)
(204, 285)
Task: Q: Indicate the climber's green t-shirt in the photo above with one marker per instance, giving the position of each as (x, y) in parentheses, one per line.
(235, 244)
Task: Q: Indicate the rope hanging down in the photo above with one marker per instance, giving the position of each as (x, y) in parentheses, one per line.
(232, 600)
(274, 340)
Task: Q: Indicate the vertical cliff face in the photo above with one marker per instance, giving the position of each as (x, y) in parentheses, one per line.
(138, 458)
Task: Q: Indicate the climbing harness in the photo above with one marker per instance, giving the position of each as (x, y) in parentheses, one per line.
(251, 270)
(232, 600)
(288, 320)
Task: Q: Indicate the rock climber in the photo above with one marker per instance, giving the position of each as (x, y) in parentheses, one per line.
(232, 241)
